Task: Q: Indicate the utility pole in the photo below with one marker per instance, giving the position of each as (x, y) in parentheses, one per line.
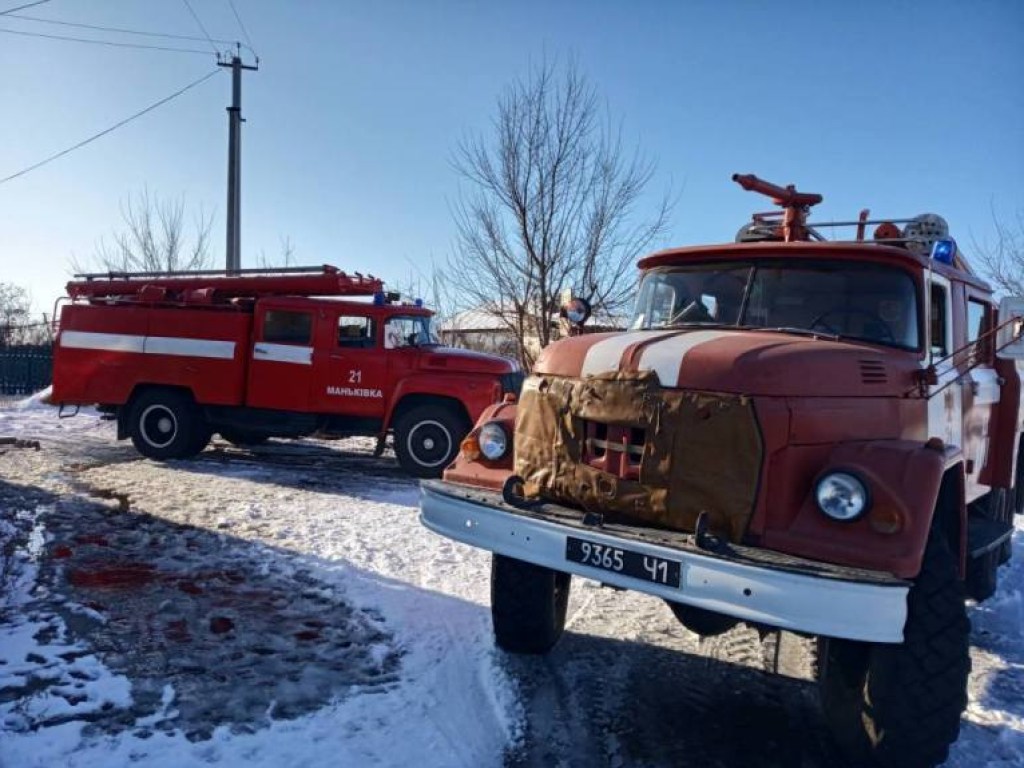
(233, 253)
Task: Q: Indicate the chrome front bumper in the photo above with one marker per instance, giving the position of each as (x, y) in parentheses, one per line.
(749, 584)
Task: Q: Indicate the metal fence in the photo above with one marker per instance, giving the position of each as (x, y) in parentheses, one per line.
(25, 369)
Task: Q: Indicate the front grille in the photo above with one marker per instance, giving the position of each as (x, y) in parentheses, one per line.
(614, 449)
(627, 448)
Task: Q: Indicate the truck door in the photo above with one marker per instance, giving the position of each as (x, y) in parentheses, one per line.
(945, 399)
(281, 367)
(981, 394)
(351, 366)
(960, 405)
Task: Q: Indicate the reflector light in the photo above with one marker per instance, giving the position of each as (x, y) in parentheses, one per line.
(943, 251)
(378, 299)
(418, 302)
(470, 447)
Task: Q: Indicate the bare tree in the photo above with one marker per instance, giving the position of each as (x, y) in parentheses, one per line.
(17, 325)
(153, 238)
(1004, 260)
(285, 257)
(552, 204)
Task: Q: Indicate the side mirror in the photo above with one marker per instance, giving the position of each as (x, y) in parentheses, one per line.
(1009, 341)
(576, 311)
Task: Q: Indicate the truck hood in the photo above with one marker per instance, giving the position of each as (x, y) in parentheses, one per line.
(464, 361)
(767, 363)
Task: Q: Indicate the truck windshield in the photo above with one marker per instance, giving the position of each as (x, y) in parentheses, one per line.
(408, 331)
(868, 302)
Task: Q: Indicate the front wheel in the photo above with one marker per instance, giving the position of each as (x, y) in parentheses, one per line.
(900, 704)
(427, 439)
(528, 605)
(165, 424)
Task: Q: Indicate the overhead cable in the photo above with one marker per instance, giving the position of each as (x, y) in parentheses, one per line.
(245, 32)
(119, 30)
(22, 7)
(112, 128)
(103, 42)
(201, 27)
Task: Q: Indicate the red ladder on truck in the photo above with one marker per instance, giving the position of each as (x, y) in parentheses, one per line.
(216, 286)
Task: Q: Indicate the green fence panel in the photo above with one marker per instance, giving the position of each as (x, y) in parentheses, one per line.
(25, 369)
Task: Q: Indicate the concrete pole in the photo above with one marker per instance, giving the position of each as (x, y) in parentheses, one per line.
(233, 251)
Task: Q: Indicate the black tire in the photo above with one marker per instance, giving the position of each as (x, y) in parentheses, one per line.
(243, 437)
(528, 604)
(166, 424)
(702, 622)
(900, 704)
(427, 439)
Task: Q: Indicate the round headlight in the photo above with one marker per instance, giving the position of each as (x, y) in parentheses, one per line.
(841, 496)
(493, 440)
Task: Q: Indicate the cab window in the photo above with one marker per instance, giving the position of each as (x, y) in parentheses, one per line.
(408, 331)
(286, 327)
(977, 325)
(354, 331)
(939, 321)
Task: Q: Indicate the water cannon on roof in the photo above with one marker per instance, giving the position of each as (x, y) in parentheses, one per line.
(926, 235)
(790, 223)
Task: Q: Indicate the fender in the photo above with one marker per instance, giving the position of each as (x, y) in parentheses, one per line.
(474, 393)
(479, 472)
(903, 479)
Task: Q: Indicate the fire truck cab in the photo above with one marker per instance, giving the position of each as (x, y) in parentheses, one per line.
(177, 357)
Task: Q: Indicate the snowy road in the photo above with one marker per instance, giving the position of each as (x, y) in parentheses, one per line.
(283, 607)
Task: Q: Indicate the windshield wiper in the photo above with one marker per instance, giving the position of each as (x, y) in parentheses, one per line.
(699, 324)
(794, 330)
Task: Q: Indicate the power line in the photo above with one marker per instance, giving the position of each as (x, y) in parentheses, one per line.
(245, 32)
(22, 7)
(119, 30)
(102, 42)
(196, 17)
(112, 128)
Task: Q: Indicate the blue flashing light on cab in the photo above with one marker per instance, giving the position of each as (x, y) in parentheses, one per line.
(943, 251)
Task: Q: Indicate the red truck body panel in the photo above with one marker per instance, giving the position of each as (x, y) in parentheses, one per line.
(104, 352)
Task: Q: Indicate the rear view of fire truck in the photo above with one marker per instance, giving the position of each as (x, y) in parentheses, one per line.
(176, 357)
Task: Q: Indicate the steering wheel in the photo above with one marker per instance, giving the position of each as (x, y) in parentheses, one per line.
(694, 311)
(819, 321)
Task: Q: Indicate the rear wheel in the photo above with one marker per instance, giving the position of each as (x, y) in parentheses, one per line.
(900, 704)
(166, 424)
(528, 605)
(427, 439)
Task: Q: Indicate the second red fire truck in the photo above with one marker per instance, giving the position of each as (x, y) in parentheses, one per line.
(175, 358)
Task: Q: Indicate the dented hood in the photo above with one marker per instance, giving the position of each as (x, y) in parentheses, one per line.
(734, 360)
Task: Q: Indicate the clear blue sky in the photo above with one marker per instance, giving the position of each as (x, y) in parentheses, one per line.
(903, 107)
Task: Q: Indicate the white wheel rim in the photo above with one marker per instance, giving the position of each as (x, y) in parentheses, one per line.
(158, 426)
(428, 442)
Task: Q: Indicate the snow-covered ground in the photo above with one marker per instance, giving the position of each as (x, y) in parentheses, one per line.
(282, 606)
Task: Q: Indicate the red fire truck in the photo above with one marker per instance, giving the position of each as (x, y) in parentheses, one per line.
(820, 437)
(175, 357)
